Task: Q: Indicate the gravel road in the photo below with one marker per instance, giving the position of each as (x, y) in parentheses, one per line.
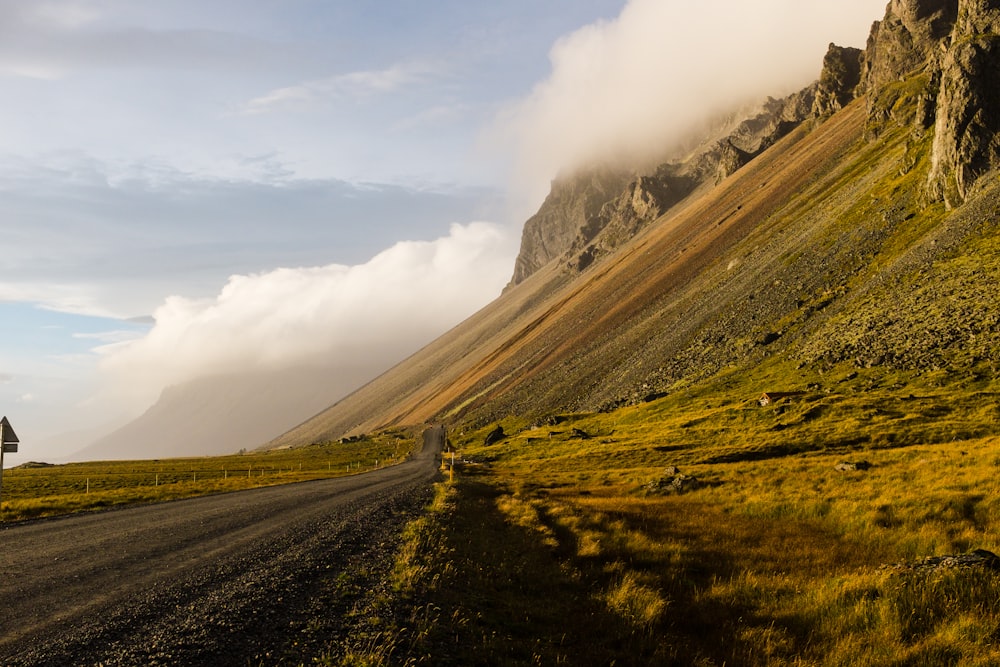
(249, 578)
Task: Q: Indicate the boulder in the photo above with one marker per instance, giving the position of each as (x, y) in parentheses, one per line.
(682, 483)
(852, 467)
(673, 482)
(979, 558)
(495, 436)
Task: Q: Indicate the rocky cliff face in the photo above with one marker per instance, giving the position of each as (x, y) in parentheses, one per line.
(642, 201)
(567, 213)
(839, 79)
(591, 213)
(932, 64)
(902, 43)
(928, 65)
(967, 117)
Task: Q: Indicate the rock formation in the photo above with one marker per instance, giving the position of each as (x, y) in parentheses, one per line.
(928, 64)
(592, 212)
(966, 141)
(573, 202)
(839, 80)
(942, 54)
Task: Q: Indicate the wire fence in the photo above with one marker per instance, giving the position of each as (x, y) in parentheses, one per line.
(19, 483)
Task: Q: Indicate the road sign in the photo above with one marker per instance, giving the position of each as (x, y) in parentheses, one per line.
(9, 437)
(8, 444)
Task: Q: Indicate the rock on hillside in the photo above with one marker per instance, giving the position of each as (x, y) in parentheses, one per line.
(905, 40)
(839, 80)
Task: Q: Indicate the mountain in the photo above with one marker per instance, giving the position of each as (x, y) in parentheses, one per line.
(222, 414)
(852, 225)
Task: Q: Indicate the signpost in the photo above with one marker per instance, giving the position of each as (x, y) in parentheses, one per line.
(8, 444)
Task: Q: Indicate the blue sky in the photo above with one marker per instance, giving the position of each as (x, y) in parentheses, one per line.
(190, 160)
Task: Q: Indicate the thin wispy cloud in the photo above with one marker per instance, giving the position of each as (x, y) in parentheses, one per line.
(109, 337)
(72, 298)
(49, 14)
(352, 85)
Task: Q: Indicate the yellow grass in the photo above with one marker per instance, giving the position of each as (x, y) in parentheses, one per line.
(31, 492)
(778, 559)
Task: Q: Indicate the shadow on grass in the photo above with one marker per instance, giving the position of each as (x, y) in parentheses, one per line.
(511, 600)
(516, 598)
(695, 629)
(722, 564)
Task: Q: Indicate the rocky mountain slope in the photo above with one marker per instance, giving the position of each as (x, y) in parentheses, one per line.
(852, 225)
(592, 212)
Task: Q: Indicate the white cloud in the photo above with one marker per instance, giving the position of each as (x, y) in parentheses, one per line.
(109, 337)
(637, 84)
(89, 237)
(369, 315)
(352, 85)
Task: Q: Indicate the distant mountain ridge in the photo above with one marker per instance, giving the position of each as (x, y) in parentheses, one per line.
(838, 230)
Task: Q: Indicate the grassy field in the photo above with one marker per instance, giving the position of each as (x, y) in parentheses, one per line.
(36, 490)
(561, 544)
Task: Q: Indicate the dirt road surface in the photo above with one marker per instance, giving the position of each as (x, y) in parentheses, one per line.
(248, 578)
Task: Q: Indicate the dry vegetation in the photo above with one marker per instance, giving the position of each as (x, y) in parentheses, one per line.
(38, 490)
(556, 545)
